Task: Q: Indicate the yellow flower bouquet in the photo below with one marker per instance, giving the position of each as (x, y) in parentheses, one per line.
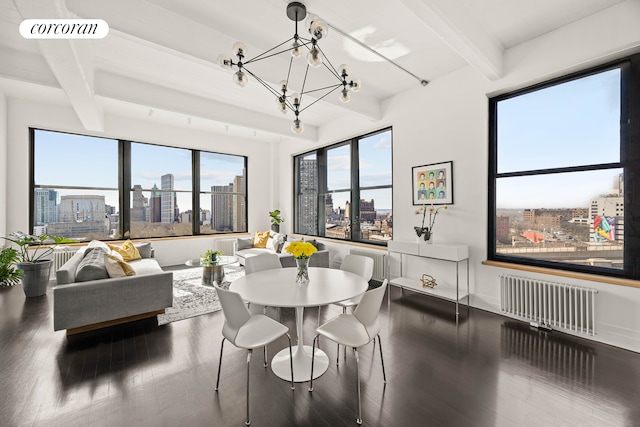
(301, 250)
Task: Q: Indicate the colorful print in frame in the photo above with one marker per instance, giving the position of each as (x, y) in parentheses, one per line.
(433, 184)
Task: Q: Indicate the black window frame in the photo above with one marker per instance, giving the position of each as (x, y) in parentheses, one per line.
(321, 158)
(125, 186)
(629, 162)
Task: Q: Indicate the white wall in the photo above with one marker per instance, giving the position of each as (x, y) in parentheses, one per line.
(23, 114)
(448, 120)
(3, 166)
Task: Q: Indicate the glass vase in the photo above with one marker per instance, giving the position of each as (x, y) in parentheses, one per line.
(302, 270)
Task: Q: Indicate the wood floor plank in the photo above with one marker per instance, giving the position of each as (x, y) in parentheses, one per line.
(486, 370)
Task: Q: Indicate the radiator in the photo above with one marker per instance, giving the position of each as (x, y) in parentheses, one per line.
(549, 304)
(60, 256)
(379, 262)
(226, 246)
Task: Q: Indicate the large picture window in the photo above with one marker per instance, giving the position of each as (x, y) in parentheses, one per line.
(98, 188)
(562, 162)
(344, 191)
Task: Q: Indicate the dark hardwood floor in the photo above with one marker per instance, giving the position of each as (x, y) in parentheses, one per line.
(486, 371)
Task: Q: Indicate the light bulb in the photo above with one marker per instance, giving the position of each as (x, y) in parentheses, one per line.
(296, 52)
(356, 85)
(283, 85)
(224, 62)
(240, 78)
(295, 99)
(343, 70)
(239, 49)
(345, 96)
(318, 29)
(282, 105)
(314, 57)
(297, 126)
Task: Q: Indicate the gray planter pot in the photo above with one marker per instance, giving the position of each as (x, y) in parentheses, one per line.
(36, 277)
(275, 228)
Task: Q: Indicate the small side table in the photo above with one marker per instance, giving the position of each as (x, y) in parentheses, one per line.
(213, 273)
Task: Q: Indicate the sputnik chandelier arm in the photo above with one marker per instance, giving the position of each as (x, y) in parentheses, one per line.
(316, 58)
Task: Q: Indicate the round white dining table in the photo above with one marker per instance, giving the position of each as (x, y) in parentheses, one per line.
(278, 288)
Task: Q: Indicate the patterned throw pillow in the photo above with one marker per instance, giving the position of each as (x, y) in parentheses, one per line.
(260, 240)
(92, 265)
(116, 267)
(127, 250)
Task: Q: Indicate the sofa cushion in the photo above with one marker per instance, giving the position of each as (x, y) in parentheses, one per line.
(144, 249)
(260, 239)
(276, 241)
(244, 243)
(146, 266)
(127, 250)
(117, 267)
(92, 265)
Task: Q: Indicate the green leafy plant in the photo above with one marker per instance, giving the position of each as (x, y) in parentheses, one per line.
(9, 275)
(41, 245)
(275, 217)
(208, 259)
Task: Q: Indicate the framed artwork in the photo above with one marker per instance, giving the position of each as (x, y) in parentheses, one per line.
(433, 184)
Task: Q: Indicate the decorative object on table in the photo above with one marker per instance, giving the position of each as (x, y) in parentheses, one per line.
(9, 274)
(433, 184)
(276, 220)
(35, 267)
(211, 269)
(428, 281)
(285, 98)
(301, 251)
(427, 232)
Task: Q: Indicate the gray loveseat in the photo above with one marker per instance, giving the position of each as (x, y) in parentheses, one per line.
(276, 244)
(87, 305)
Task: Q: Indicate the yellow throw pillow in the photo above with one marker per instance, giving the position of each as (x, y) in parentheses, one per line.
(260, 240)
(128, 251)
(116, 267)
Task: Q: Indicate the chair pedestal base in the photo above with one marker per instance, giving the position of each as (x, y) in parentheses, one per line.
(301, 364)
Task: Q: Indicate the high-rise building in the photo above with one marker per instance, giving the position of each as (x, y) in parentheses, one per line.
(46, 206)
(81, 215)
(240, 203)
(155, 204)
(168, 199)
(368, 211)
(222, 208)
(139, 205)
(307, 197)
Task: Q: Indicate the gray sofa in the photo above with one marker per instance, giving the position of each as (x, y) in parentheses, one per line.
(87, 305)
(275, 244)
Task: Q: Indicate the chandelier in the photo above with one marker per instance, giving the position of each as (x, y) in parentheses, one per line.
(285, 97)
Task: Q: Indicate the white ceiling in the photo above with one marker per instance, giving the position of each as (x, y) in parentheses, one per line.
(158, 62)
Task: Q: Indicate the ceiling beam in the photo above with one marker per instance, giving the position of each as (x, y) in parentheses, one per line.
(114, 86)
(455, 25)
(70, 61)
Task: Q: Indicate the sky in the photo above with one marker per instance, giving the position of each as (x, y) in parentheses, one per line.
(571, 124)
(61, 159)
(375, 169)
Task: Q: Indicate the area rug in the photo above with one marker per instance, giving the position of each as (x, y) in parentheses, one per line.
(191, 298)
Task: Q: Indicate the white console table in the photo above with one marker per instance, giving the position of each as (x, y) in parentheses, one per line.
(449, 253)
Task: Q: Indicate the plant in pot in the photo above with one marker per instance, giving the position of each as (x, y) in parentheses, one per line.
(9, 274)
(211, 271)
(33, 262)
(276, 220)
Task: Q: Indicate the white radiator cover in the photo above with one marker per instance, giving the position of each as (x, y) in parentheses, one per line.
(549, 304)
(226, 246)
(60, 256)
(379, 262)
